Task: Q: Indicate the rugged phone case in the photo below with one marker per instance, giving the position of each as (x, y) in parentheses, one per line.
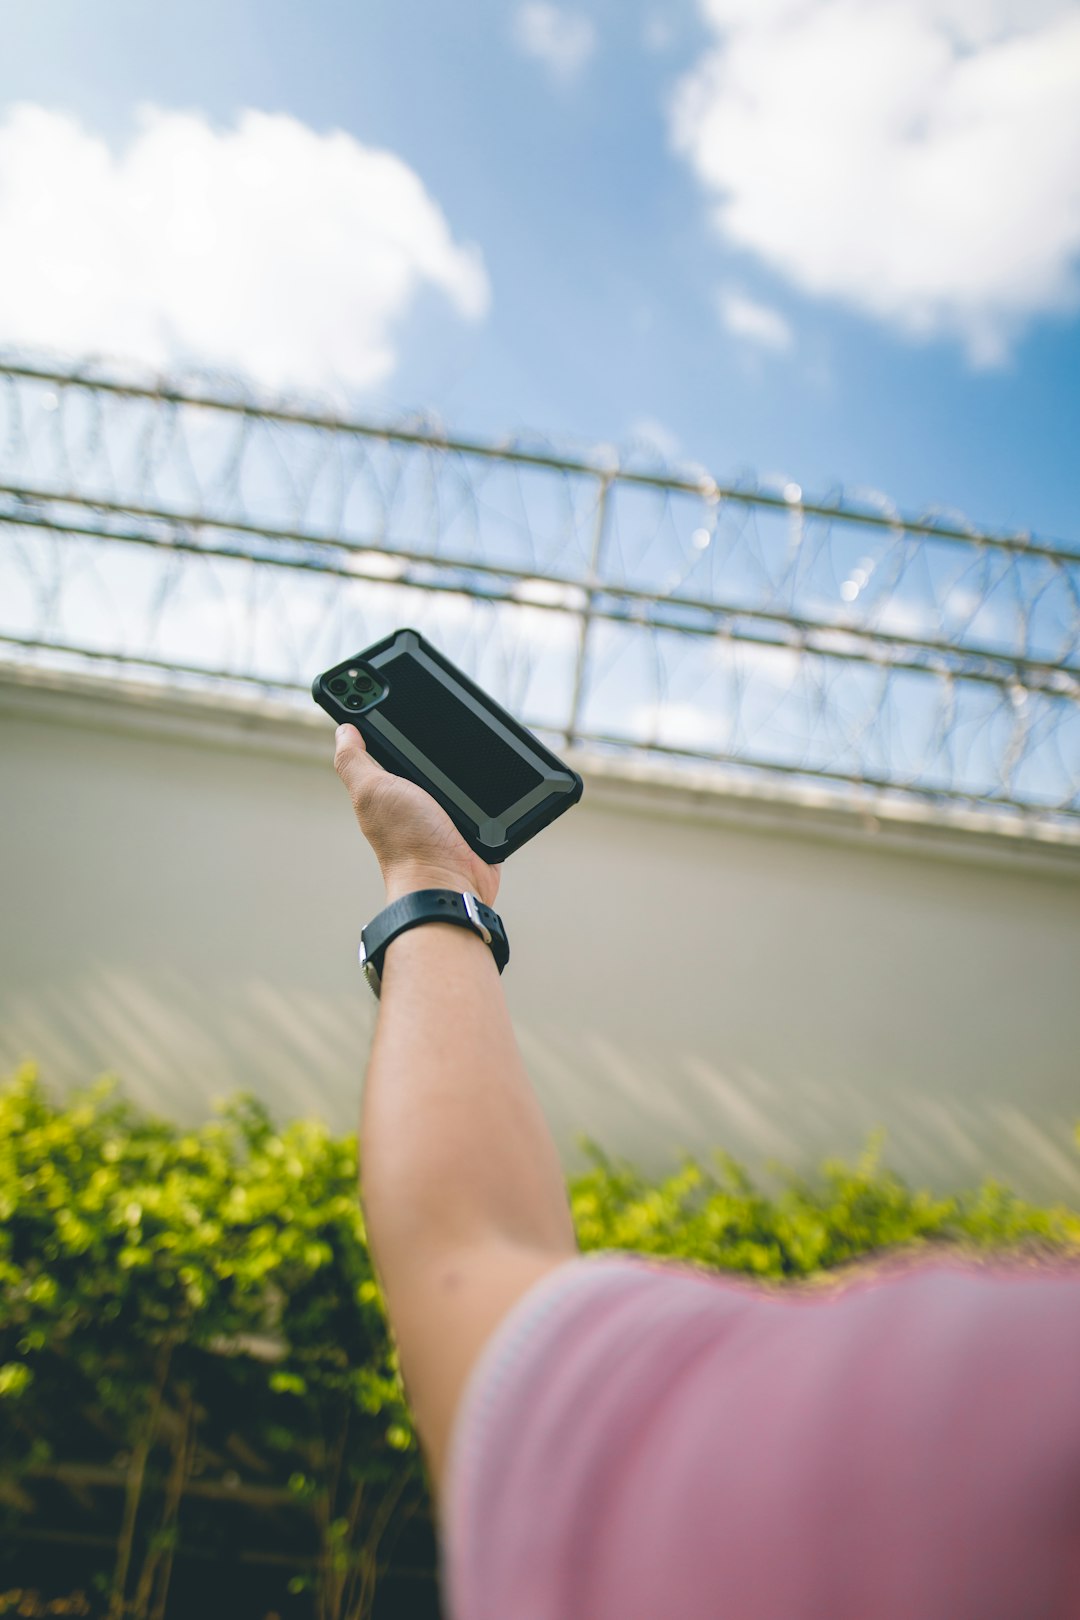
(431, 724)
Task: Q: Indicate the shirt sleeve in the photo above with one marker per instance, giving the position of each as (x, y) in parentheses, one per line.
(644, 1440)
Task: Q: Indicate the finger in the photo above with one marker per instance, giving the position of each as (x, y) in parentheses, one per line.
(352, 761)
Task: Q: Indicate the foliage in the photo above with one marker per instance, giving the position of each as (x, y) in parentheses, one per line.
(173, 1301)
(724, 1222)
(136, 1256)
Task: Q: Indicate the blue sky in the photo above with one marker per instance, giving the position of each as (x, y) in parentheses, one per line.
(594, 281)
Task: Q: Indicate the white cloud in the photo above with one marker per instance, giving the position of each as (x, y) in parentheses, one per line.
(756, 322)
(914, 159)
(653, 434)
(677, 725)
(268, 247)
(562, 40)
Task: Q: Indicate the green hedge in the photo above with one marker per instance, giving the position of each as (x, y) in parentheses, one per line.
(196, 1379)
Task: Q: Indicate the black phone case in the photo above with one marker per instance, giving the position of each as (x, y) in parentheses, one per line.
(496, 781)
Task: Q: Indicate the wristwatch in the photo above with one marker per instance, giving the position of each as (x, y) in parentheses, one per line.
(429, 905)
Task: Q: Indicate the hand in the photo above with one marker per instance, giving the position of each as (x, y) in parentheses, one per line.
(415, 842)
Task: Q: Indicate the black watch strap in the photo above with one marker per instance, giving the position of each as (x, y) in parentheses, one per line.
(463, 909)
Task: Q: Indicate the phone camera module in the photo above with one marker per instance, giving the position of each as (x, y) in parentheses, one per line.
(354, 702)
(338, 685)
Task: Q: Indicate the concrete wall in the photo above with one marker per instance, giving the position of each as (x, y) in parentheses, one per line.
(183, 886)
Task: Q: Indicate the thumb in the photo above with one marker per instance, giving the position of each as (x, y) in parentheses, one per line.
(352, 761)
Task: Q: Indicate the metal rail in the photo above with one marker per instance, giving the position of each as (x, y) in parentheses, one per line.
(690, 618)
(166, 394)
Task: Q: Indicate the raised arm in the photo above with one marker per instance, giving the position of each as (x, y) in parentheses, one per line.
(462, 1190)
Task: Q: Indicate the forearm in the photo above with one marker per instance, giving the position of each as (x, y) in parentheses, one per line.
(454, 1145)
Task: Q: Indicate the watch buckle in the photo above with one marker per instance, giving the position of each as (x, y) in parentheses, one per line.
(474, 917)
(371, 973)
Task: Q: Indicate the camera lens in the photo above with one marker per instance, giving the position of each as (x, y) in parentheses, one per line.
(339, 685)
(354, 702)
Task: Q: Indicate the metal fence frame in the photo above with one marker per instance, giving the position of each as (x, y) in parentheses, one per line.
(591, 595)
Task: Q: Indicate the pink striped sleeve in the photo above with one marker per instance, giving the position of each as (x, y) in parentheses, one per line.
(647, 1441)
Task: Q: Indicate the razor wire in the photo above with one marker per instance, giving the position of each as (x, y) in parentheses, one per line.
(186, 532)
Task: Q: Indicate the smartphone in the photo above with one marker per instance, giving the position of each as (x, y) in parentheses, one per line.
(423, 718)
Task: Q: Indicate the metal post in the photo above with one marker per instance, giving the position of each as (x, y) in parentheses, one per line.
(594, 581)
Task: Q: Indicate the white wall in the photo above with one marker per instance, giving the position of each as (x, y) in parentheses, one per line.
(183, 887)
